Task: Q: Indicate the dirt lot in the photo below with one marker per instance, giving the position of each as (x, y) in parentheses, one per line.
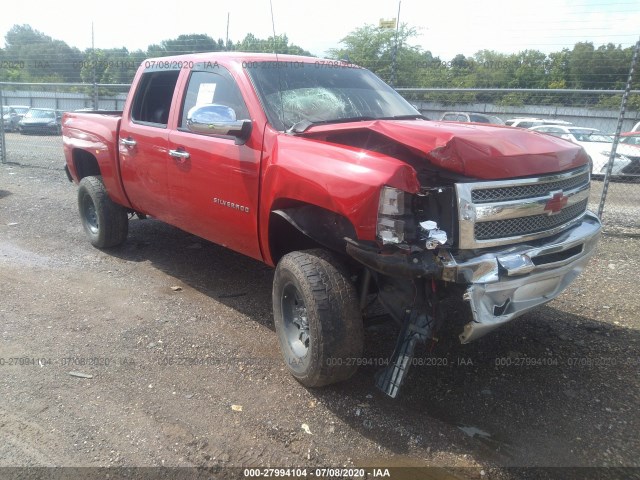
(192, 376)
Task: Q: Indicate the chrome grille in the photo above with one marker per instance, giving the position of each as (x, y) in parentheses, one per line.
(505, 212)
(527, 225)
(502, 194)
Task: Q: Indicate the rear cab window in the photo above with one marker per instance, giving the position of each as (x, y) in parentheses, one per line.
(152, 101)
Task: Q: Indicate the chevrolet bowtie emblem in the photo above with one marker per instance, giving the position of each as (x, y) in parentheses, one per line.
(558, 202)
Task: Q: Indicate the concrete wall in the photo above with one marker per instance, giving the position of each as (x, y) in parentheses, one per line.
(604, 120)
(64, 101)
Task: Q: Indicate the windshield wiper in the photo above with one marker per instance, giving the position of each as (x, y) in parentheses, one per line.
(303, 125)
(415, 116)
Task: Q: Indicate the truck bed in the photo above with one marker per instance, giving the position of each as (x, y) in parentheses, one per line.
(95, 133)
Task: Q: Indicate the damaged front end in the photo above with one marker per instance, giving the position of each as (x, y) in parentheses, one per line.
(506, 283)
(512, 245)
(406, 268)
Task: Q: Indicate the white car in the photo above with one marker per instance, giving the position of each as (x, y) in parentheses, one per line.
(528, 122)
(471, 117)
(598, 147)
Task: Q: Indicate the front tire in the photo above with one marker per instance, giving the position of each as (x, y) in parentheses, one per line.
(317, 318)
(105, 222)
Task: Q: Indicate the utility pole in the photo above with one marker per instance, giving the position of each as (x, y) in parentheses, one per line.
(95, 83)
(394, 52)
(3, 147)
(226, 42)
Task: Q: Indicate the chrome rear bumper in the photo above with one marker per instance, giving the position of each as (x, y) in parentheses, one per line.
(506, 283)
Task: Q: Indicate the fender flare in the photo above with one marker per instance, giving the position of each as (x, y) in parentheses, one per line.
(325, 227)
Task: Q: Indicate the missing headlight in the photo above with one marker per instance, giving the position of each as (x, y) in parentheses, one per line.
(396, 223)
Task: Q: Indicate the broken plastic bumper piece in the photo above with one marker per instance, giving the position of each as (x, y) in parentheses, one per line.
(506, 283)
(416, 328)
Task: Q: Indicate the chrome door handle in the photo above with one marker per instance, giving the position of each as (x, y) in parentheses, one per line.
(128, 142)
(179, 154)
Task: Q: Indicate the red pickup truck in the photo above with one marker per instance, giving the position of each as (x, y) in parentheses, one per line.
(321, 170)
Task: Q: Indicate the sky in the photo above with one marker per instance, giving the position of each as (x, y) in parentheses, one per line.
(446, 28)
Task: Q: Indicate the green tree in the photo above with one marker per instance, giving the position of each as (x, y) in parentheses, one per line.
(493, 69)
(31, 55)
(582, 67)
(41, 57)
(277, 44)
(611, 66)
(373, 48)
(558, 69)
(116, 65)
(531, 70)
(192, 43)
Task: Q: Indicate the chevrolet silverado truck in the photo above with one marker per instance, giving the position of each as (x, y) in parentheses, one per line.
(321, 170)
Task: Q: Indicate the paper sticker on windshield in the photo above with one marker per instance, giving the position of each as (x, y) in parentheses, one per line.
(205, 93)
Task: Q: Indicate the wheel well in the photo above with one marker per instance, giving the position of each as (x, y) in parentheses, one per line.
(300, 226)
(285, 238)
(85, 164)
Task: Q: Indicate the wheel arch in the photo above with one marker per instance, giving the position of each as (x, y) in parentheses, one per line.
(85, 164)
(295, 225)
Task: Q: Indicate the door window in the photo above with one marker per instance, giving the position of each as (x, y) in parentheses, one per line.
(152, 102)
(213, 86)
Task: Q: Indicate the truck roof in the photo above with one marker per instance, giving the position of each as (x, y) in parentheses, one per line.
(242, 56)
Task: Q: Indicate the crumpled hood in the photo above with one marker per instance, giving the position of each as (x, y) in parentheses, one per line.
(474, 150)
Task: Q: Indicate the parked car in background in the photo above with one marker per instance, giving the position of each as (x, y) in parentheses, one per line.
(630, 138)
(41, 120)
(21, 110)
(471, 117)
(11, 115)
(598, 147)
(528, 122)
(630, 142)
(636, 127)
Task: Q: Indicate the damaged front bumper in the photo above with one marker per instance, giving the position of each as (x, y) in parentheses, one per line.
(505, 282)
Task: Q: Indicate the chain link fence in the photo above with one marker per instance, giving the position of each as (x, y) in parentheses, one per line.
(594, 119)
(35, 139)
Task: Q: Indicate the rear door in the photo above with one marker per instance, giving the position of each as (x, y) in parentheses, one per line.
(144, 142)
(214, 182)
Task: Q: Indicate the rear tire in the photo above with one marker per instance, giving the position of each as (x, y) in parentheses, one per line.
(317, 318)
(105, 222)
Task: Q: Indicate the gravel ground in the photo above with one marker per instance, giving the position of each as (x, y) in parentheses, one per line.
(558, 387)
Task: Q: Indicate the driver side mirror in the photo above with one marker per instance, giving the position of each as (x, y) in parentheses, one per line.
(214, 119)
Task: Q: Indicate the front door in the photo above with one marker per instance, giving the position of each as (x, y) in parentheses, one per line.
(213, 182)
